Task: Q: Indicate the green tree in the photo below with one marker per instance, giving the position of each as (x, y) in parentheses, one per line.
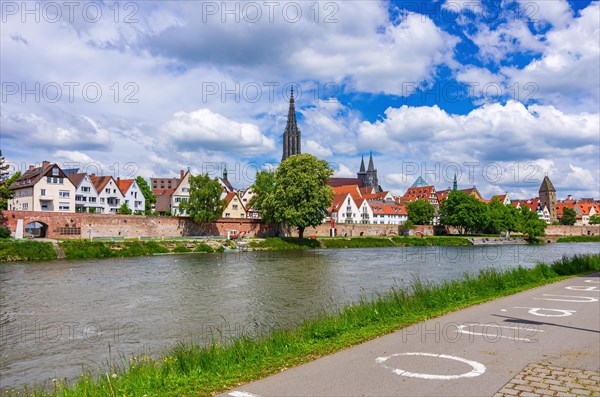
(5, 192)
(502, 218)
(569, 217)
(420, 212)
(148, 195)
(531, 224)
(464, 212)
(301, 196)
(595, 219)
(205, 204)
(405, 228)
(124, 209)
(264, 187)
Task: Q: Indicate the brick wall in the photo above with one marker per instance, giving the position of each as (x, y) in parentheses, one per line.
(129, 226)
(562, 230)
(355, 230)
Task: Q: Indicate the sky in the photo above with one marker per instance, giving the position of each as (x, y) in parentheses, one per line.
(499, 93)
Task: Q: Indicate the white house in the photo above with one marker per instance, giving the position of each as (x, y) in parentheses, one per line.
(132, 194)
(344, 210)
(180, 194)
(86, 197)
(44, 188)
(385, 213)
(366, 213)
(110, 197)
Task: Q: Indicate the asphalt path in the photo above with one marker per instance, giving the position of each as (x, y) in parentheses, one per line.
(470, 352)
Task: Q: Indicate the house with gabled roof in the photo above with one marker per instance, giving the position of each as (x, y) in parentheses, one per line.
(162, 206)
(584, 211)
(234, 208)
(343, 208)
(132, 195)
(43, 188)
(385, 213)
(86, 196)
(180, 194)
(110, 197)
(427, 193)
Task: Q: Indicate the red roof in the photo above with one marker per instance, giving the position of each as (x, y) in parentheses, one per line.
(352, 189)
(388, 209)
(419, 193)
(124, 184)
(338, 202)
(561, 206)
(375, 196)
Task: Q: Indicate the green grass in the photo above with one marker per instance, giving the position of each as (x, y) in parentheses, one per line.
(579, 239)
(284, 243)
(190, 369)
(25, 250)
(357, 242)
(431, 240)
(81, 249)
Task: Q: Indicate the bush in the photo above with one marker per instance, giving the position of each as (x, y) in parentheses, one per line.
(4, 232)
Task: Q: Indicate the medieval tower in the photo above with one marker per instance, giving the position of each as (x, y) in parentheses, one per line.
(548, 197)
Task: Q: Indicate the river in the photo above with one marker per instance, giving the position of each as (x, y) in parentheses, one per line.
(59, 317)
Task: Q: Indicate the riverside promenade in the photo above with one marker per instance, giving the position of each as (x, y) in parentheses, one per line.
(541, 342)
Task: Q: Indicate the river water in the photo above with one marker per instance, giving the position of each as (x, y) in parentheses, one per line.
(59, 317)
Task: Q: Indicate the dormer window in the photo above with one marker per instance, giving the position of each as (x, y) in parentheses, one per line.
(55, 171)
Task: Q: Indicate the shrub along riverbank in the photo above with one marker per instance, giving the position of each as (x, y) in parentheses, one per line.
(25, 250)
(190, 369)
(579, 239)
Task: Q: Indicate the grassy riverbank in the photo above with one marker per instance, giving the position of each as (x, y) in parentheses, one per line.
(579, 239)
(25, 250)
(190, 369)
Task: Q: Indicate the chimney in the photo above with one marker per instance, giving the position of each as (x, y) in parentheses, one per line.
(31, 167)
(45, 163)
(181, 173)
(93, 175)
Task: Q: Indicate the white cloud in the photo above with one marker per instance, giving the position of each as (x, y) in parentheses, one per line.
(556, 12)
(567, 73)
(315, 149)
(205, 129)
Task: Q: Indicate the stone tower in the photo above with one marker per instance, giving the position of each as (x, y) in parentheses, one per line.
(291, 135)
(548, 198)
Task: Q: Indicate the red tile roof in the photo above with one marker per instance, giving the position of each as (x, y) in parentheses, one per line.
(352, 189)
(124, 184)
(419, 193)
(388, 209)
(561, 206)
(334, 182)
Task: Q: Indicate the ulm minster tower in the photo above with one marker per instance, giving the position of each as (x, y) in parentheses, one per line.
(292, 145)
(291, 135)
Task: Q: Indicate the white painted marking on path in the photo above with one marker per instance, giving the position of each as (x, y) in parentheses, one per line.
(242, 394)
(582, 288)
(503, 310)
(586, 299)
(592, 281)
(478, 368)
(536, 311)
(461, 329)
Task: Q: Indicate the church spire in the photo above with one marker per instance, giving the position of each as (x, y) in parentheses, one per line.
(371, 166)
(362, 165)
(455, 183)
(291, 135)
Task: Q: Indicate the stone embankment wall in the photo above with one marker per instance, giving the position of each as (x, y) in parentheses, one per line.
(73, 225)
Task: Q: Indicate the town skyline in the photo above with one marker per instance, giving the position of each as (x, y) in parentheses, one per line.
(480, 91)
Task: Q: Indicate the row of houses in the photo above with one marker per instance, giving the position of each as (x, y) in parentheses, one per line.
(50, 188)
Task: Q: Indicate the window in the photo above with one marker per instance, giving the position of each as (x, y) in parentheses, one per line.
(25, 206)
(102, 200)
(107, 190)
(43, 192)
(55, 171)
(235, 207)
(63, 206)
(44, 207)
(64, 194)
(85, 189)
(227, 215)
(92, 199)
(61, 180)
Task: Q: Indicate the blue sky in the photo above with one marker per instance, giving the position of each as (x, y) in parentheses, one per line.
(501, 93)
